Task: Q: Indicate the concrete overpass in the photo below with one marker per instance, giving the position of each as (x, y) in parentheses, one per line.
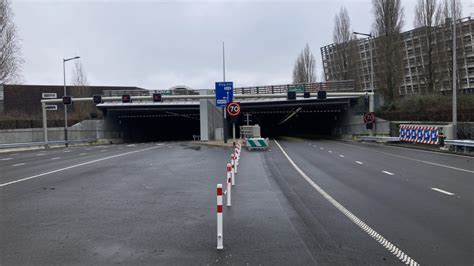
(182, 116)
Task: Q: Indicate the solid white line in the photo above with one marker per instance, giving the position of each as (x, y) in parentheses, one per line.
(443, 191)
(416, 160)
(388, 173)
(371, 232)
(359, 162)
(18, 164)
(7, 159)
(83, 153)
(77, 165)
(342, 156)
(55, 158)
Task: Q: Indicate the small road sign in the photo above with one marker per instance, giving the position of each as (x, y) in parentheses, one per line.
(296, 89)
(49, 95)
(51, 107)
(233, 109)
(369, 118)
(224, 93)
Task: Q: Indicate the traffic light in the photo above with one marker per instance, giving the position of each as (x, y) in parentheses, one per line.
(307, 95)
(291, 95)
(126, 98)
(97, 99)
(321, 95)
(67, 100)
(157, 97)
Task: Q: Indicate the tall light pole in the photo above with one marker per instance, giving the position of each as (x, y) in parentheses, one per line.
(65, 94)
(455, 111)
(371, 58)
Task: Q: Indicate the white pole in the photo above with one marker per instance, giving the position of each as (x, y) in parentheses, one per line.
(232, 162)
(229, 185)
(45, 126)
(236, 161)
(220, 240)
(455, 111)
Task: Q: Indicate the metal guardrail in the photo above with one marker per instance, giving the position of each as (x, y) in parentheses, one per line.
(330, 86)
(379, 139)
(460, 142)
(41, 143)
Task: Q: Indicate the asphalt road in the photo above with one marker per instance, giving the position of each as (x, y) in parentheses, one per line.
(155, 204)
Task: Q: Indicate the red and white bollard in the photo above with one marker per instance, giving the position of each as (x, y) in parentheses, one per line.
(220, 240)
(236, 161)
(229, 185)
(232, 162)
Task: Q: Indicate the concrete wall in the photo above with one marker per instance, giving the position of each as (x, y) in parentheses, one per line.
(86, 130)
(210, 117)
(353, 125)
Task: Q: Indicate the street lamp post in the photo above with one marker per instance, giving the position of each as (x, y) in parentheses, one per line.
(371, 59)
(65, 94)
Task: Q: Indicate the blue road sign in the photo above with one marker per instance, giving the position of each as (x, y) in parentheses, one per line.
(402, 133)
(224, 93)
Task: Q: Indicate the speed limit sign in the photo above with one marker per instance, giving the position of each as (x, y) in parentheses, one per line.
(233, 109)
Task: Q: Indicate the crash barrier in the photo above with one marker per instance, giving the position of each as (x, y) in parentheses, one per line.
(256, 143)
(230, 181)
(465, 143)
(420, 134)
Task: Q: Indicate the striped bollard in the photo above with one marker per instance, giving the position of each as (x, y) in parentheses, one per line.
(220, 240)
(232, 162)
(236, 161)
(229, 185)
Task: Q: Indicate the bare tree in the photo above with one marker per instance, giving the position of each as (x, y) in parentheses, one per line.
(305, 66)
(345, 44)
(10, 54)
(426, 18)
(342, 27)
(445, 11)
(388, 23)
(81, 89)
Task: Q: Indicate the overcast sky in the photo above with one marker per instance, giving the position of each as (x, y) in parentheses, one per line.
(159, 44)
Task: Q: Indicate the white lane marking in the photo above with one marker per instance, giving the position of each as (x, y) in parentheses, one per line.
(443, 191)
(321, 148)
(67, 151)
(18, 164)
(40, 154)
(55, 158)
(359, 162)
(7, 159)
(103, 150)
(388, 173)
(330, 151)
(340, 155)
(77, 165)
(131, 145)
(366, 228)
(416, 160)
(83, 153)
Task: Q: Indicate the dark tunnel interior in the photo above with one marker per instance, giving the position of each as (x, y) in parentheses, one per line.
(155, 125)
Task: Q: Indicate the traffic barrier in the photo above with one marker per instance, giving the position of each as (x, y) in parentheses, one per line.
(220, 236)
(257, 143)
(229, 184)
(232, 162)
(419, 134)
(236, 161)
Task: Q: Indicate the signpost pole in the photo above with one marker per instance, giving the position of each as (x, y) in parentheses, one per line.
(45, 126)
(224, 108)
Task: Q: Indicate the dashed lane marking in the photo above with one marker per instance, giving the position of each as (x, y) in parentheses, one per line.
(330, 151)
(397, 252)
(103, 150)
(321, 148)
(18, 164)
(77, 165)
(83, 153)
(340, 155)
(7, 159)
(388, 173)
(55, 158)
(40, 154)
(443, 191)
(67, 151)
(359, 162)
